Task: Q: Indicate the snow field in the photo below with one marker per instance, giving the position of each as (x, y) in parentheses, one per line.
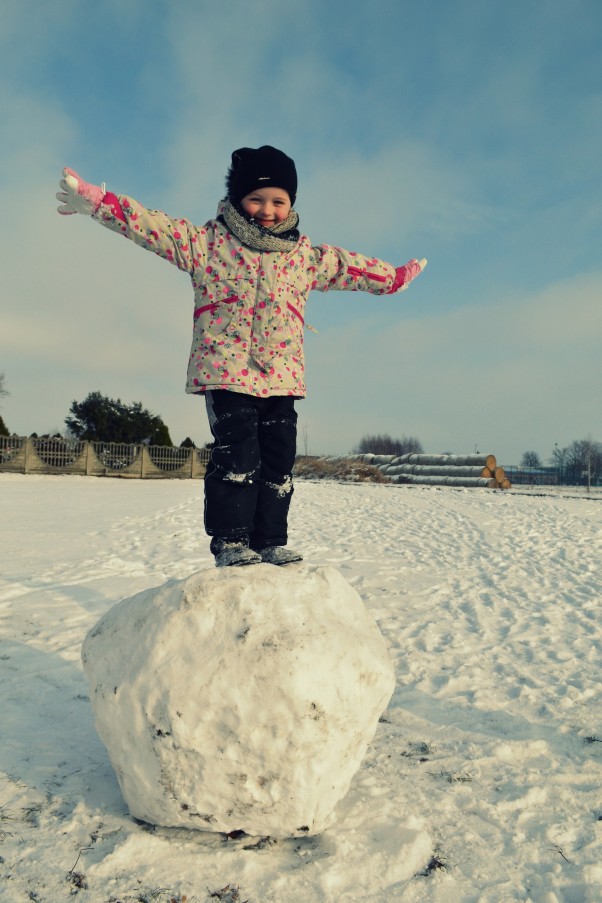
(492, 744)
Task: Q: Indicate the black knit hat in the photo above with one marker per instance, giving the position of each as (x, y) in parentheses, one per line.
(262, 167)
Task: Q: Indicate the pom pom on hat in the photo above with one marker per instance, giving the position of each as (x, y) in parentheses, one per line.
(262, 167)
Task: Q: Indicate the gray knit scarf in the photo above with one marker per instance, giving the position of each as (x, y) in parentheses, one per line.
(282, 237)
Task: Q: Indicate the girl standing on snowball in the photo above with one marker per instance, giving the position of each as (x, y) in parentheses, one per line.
(251, 272)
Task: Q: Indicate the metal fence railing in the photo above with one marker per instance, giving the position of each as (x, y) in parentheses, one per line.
(116, 455)
(533, 476)
(552, 476)
(10, 447)
(168, 459)
(58, 452)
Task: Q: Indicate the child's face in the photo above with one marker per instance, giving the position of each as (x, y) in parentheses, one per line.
(268, 206)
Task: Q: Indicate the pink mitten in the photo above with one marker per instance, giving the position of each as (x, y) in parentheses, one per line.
(405, 274)
(78, 196)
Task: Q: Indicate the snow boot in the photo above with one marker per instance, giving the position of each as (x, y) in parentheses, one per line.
(279, 555)
(233, 554)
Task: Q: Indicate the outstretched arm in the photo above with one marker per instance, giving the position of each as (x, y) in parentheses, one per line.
(153, 230)
(336, 268)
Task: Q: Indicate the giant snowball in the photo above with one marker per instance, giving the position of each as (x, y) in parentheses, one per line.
(239, 698)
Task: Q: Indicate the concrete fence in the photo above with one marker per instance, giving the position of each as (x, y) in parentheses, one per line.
(19, 454)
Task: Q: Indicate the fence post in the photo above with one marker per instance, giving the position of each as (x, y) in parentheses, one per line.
(27, 456)
(199, 467)
(88, 458)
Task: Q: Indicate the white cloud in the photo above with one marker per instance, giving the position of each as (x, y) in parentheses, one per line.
(521, 373)
(401, 193)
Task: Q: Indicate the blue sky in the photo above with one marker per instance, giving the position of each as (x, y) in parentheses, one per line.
(466, 131)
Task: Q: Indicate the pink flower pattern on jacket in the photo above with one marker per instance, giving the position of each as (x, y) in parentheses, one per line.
(248, 305)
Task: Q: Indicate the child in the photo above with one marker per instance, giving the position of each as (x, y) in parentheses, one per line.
(251, 272)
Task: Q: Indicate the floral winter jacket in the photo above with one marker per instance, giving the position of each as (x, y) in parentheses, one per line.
(248, 304)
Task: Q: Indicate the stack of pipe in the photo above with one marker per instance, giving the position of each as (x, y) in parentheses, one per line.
(440, 470)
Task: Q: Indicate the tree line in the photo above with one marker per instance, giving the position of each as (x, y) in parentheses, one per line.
(99, 418)
(578, 462)
(383, 444)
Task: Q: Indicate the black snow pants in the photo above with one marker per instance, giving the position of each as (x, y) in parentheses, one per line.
(249, 484)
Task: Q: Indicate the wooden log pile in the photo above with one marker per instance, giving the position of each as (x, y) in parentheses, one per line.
(478, 471)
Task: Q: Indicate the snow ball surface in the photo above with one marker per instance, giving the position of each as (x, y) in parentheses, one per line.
(239, 698)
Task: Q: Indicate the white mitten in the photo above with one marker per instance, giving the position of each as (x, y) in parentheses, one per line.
(78, 196)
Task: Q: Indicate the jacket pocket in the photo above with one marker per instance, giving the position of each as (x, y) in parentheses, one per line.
(223, 310)
(282, 331)
(216, 316)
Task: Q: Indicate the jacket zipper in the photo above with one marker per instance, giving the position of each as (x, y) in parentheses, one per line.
(295, 311)
(356, 271)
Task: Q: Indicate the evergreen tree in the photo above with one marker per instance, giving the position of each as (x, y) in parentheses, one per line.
(102, 419)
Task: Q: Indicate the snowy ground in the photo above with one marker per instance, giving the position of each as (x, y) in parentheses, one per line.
(492, 744)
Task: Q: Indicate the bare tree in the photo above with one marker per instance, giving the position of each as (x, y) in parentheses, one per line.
(383, 444)
(3, 393)
(581, 461)
(530, 459)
